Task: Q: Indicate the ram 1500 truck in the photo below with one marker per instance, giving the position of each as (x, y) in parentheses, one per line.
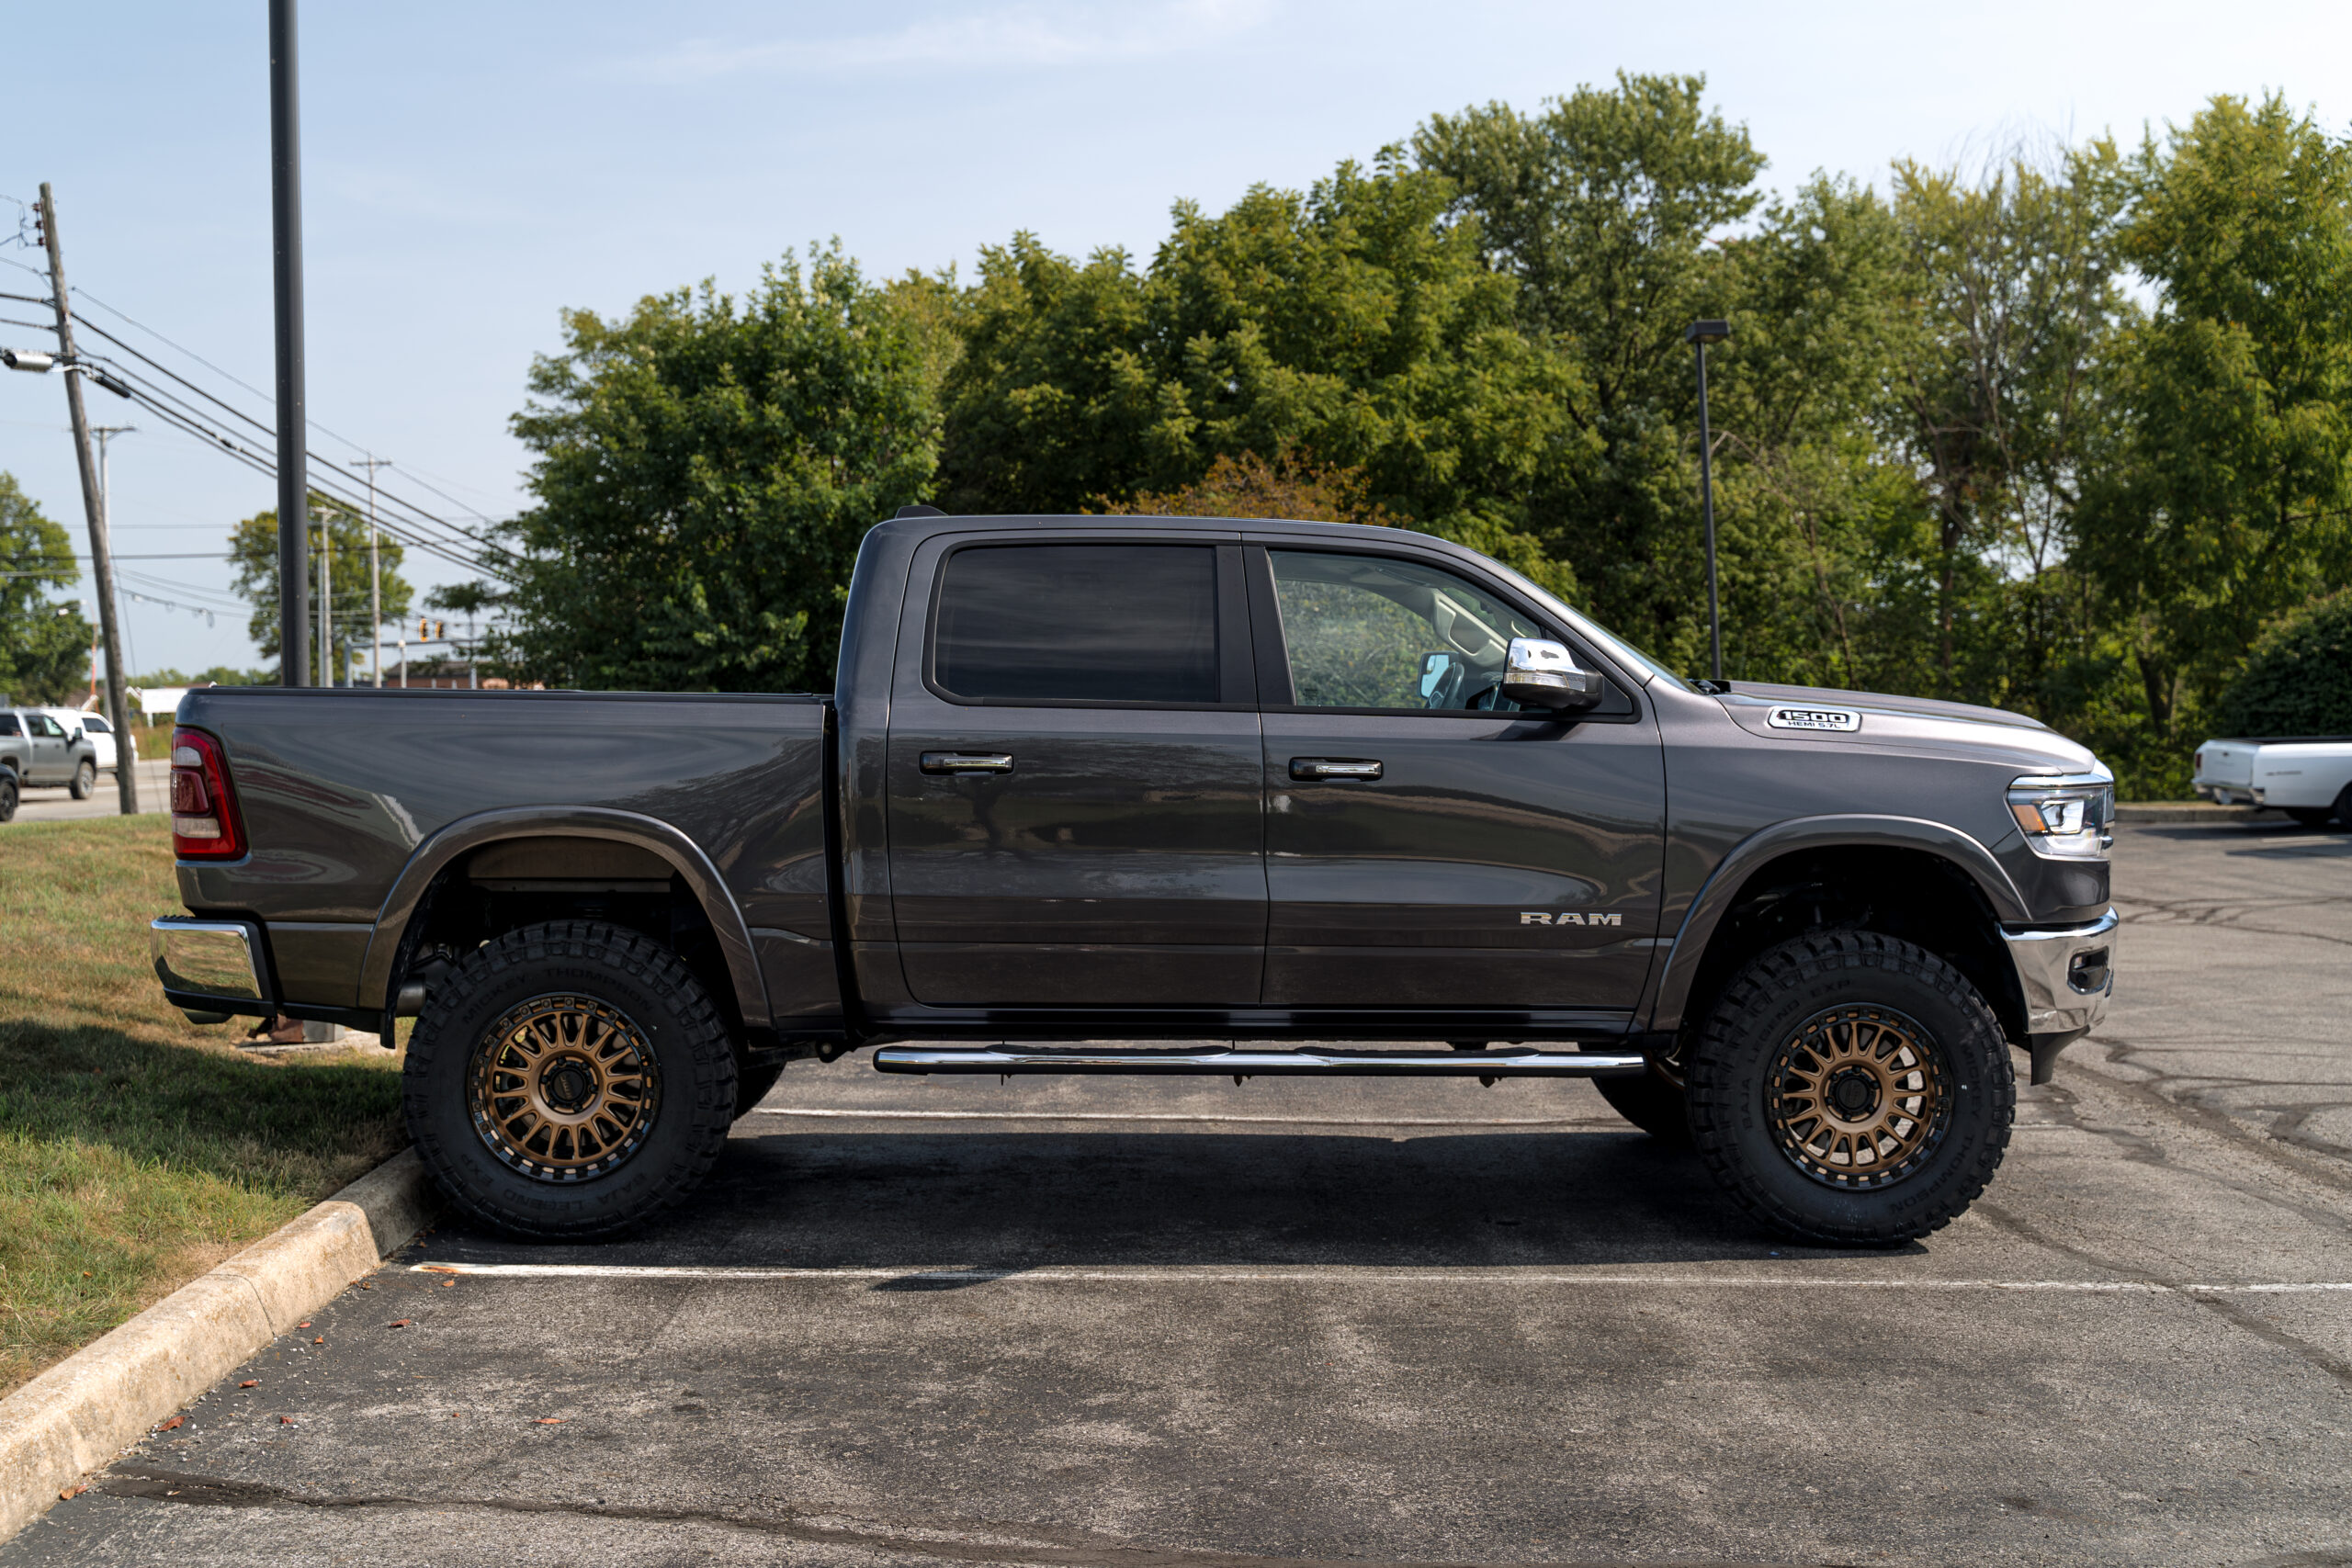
(1161, 781)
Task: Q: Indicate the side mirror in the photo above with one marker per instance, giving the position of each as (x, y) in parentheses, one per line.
(1540, 673)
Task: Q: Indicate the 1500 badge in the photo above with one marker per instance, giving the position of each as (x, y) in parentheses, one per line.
(1840, 719)
(1571, 917)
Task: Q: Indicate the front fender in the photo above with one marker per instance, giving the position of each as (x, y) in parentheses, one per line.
(1856, 830)
(686, 857)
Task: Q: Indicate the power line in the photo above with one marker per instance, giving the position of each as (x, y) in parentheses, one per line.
(388, 495)
(453, 537)
(176, 411)
(458, 544)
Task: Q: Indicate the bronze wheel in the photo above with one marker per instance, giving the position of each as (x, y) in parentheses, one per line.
(1857, 1095)
(563, 1088)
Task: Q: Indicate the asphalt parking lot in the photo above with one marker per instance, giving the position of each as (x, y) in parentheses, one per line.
(1125, 1322)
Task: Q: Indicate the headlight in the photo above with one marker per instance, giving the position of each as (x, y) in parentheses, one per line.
(2068, 818)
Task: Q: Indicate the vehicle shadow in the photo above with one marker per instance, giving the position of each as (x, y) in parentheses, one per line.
(956, 1208)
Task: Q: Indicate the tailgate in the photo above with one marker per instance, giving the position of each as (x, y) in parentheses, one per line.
(2225, 765)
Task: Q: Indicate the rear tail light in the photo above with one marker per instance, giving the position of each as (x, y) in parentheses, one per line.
(204, 824)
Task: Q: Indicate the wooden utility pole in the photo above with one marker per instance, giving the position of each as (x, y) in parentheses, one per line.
(94, 504)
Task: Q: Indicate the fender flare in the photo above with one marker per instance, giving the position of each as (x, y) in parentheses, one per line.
(686, 857)
(1856, 830)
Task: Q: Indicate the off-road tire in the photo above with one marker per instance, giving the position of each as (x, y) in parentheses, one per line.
(7, 795)
(1762, 1014)
(85, 780)
(753, 1083)
(1651, 1102)
(622, 970)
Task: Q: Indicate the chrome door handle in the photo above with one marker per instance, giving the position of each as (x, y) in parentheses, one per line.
(967, 762)
(1334, 767)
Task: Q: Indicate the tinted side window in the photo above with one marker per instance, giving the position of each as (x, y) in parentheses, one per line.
(96, 726)
(44, 726)
(1086, 623)
(1370, 632)
(9, 724)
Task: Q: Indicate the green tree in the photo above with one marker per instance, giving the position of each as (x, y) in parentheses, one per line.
(1354, 323)
(2297, 676)
(2229, 500)
(253, 548)
(703, 473)
(44, 643)
(1619, 212)
(2015, 303)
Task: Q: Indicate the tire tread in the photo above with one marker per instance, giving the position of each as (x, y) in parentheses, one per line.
(710, 1091)
(1774, 972)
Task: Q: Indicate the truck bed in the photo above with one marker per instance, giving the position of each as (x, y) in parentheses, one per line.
(389, 805)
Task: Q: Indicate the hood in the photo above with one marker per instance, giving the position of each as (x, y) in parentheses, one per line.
(1919, 725)
(1878, 702)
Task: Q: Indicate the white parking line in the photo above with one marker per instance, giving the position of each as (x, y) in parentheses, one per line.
(1350, 1277)
(854, 1115)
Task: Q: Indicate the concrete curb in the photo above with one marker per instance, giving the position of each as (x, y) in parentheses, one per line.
(78, 1414)
(2175, 811)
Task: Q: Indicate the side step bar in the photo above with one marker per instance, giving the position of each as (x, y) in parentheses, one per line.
(1270, 1064)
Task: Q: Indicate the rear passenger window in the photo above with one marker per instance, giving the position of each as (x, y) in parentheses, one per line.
(9, 724)
(1079, 622)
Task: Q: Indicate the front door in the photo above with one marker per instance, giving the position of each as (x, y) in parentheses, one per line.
(50, 760)
(1428, 844)
(1075, 817)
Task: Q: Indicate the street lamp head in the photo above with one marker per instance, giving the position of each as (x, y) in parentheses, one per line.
(1707, 332)
(35, 359)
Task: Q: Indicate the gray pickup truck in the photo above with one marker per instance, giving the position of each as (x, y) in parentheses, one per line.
(1221, 792)
(36, 751)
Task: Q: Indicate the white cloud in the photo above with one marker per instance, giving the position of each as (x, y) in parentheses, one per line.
(1014, 36)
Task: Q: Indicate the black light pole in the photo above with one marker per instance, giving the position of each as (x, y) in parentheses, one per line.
(293, 477)
(1701, 335)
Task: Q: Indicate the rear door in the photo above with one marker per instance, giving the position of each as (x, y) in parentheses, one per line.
(1074, 811)
(1428, 844)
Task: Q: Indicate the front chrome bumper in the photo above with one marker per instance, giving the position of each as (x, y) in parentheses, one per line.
(211, 965)
(2066, 972)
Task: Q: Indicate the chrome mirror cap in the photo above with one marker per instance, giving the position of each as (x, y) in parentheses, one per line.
(1539, 672)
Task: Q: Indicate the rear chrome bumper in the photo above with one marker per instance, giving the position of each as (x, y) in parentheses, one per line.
(209, 965)
(2066, 972)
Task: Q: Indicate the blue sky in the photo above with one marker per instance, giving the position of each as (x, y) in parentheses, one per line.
(471, 170)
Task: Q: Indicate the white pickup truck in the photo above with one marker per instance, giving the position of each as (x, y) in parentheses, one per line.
(2308, 777)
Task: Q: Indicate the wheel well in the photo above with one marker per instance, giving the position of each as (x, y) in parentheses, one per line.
(1911, 894)
(508, 884)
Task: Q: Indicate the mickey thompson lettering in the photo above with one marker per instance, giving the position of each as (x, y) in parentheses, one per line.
(1571, 917)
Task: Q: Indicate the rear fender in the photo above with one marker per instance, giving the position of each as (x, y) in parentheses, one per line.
(444, 848)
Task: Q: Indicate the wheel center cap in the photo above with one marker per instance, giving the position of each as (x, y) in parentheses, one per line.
(568, 1085)
(1854, 1093)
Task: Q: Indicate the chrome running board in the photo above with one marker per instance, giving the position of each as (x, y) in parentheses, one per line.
(1510, 1064)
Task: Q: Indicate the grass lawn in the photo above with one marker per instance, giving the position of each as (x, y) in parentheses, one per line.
(136, 1149)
